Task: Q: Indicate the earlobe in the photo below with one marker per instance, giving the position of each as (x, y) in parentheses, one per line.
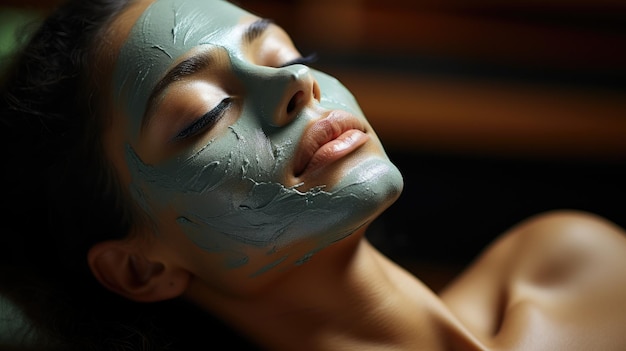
(127, 272)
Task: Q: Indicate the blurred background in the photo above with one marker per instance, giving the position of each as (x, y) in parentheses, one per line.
(493, 110)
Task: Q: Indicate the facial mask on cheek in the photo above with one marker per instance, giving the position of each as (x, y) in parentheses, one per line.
(335, 95)
(223, 210)
(227, 196)
(227, 202)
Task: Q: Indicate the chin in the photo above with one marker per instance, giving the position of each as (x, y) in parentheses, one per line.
(364, 188)
(376, 182)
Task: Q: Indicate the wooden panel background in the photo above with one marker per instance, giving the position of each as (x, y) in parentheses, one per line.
(523, 78)
(493, 110)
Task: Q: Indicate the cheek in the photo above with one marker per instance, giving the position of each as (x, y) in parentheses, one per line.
(213, 181)
(336, 95)
(243, 223)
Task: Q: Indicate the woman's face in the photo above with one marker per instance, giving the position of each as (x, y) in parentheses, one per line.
(232, 145)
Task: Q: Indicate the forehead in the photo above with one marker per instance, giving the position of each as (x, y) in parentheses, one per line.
(163, 32)
(179, 25)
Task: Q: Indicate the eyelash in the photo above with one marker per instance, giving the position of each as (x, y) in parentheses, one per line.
(208, 119)
(306, 60)
(211, 117)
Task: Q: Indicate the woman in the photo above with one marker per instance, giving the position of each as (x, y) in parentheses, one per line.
(191, 154)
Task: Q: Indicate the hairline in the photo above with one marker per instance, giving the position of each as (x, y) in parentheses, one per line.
(99, 63)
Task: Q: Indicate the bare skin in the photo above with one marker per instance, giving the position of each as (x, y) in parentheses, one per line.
(555, 282)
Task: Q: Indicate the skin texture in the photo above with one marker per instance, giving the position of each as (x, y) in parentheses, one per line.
(234, 211)
(233, 186)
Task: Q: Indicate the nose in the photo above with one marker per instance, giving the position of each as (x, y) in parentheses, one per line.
(280, 94)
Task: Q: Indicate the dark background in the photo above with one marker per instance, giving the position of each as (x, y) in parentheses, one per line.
(493, 110)
(453, 206)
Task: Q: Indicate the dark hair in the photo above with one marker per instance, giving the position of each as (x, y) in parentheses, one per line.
(54, 161)
(61, 196)
(60, 193)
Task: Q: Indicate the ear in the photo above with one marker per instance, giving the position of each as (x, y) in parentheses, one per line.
(123, 269)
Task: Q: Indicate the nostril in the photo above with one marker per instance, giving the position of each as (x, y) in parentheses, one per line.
(294, 102)
(317, 94)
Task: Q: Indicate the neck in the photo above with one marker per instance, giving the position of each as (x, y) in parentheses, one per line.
(348, 296)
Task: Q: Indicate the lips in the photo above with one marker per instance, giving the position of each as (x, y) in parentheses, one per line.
(327, 140)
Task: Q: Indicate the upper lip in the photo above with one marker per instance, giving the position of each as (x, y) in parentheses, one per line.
(322, 131)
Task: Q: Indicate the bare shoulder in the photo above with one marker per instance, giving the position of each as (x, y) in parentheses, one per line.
(556, 279)
(567, 248)
(558, 247)
(568, 225)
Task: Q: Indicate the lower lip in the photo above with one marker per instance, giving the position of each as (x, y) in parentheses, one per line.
(336, 149)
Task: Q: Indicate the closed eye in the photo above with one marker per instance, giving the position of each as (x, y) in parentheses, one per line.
(208, 120)
(306, 60)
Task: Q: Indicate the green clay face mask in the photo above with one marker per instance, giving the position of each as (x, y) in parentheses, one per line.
(229, 195)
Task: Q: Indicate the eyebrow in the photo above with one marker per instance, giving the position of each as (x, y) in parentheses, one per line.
(185, 68)
(195, 64)
(256, 29)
